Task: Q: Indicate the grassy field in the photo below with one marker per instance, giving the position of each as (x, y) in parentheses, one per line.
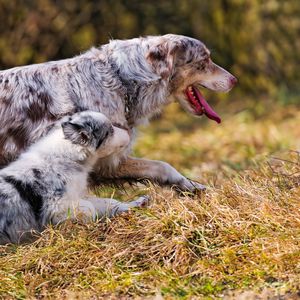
(239, 240)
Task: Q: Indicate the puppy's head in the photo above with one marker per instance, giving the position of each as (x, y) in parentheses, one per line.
(94, 131)
(186, 64)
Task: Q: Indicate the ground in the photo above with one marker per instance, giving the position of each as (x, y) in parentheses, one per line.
(239, 240)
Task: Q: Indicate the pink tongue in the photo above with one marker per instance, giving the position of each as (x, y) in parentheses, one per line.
(209, 112)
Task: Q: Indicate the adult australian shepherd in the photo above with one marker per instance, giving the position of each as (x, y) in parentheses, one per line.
(128, 81)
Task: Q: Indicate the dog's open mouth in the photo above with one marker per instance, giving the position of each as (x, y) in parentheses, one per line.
(200, 105)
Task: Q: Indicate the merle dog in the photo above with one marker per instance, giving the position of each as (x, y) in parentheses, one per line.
(48, 182)
(127, 80)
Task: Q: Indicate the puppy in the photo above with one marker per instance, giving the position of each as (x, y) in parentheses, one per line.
(48, 182)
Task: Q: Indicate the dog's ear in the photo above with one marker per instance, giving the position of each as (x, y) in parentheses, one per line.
(163, 57)
(76, 133)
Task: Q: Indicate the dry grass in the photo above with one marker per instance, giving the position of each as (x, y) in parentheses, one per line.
(242, 235)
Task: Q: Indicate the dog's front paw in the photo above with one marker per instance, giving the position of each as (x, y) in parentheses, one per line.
(191, 186)
(170, 176)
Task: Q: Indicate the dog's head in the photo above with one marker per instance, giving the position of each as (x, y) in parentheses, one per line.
(186, 64)
(94, 131)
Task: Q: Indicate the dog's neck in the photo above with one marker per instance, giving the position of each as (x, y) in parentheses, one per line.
(142, 99)
(130, 96)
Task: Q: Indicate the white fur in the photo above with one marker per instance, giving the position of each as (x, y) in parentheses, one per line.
(48, 183)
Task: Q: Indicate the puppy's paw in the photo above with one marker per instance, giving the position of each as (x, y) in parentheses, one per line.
(142, 201)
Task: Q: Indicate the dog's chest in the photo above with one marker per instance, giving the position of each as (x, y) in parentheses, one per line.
(76, 186)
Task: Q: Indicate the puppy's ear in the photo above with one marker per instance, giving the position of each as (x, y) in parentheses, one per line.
(163, 57)
(76, 133)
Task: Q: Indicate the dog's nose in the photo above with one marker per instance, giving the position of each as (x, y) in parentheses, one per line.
(233, 80)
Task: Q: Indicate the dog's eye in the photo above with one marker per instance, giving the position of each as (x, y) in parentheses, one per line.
(200, 66)
(206, 60)
(203, 64)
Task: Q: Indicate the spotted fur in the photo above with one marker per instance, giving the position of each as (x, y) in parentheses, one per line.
(127, 80)
(48, 182)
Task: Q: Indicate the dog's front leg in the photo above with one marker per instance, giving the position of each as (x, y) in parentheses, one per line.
(156, 171)
(93, 208)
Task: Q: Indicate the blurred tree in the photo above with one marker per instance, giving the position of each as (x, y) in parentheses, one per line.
(257, 40)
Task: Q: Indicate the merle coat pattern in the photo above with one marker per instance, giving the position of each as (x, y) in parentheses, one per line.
(127, 80)
(48, 182)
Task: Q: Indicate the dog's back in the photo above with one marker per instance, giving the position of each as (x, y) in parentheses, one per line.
(30, 101)
(34, 97)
